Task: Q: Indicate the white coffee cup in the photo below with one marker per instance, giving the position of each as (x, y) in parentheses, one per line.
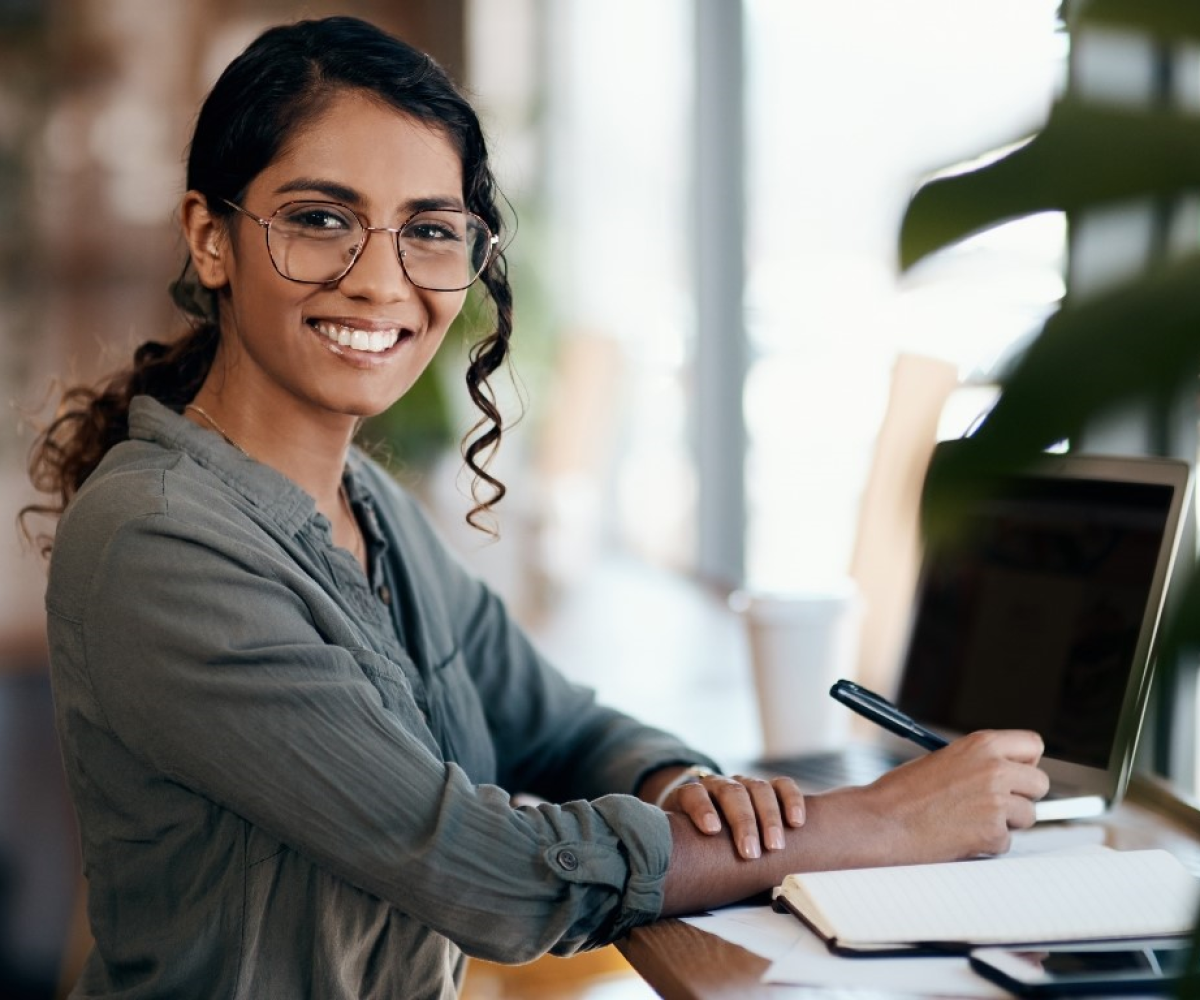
(800, 643)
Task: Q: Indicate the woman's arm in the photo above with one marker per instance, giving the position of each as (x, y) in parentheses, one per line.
(550, 736)
(959, 802)
(217, 691)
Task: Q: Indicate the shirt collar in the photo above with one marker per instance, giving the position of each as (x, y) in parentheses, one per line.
(288, 504)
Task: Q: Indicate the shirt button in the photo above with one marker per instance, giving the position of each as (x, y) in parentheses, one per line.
(385, 594)
(567, 860)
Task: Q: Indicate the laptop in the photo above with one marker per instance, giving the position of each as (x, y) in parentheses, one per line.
(1040, 614)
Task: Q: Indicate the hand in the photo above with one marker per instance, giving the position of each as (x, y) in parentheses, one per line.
(963, 800)
(755, 809)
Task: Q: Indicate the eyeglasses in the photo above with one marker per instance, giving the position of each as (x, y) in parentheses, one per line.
(318, 242)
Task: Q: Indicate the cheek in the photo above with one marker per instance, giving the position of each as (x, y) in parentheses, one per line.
(444, 308)
(259, 291)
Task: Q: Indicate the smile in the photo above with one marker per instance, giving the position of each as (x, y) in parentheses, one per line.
(368, 341)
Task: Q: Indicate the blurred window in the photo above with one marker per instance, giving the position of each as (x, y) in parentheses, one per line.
(849, 106)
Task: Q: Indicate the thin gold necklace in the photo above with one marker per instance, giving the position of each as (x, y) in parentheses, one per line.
(358, 546)
(356, 531)
(217, 427)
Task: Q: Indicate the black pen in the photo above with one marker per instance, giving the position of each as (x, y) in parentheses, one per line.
(883, 713)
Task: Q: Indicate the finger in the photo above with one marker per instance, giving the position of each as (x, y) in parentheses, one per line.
(765, 801)
(695, 802)
(1021, 745)
(736, 805)
(791, 800)
(1029, 782)
(1021, 814)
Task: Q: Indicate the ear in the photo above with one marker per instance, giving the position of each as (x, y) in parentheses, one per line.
(206, 240)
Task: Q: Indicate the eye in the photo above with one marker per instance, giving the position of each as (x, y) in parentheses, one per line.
(435, 227)
(315, 220)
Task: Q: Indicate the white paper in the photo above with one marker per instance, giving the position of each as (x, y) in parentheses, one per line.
(799, 957)
(1056, 837)
(808, 962)
(758, 929)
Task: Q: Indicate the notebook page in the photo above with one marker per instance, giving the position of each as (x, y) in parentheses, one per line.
(1008, 900)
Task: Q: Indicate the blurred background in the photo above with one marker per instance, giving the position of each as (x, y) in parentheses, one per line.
(714, 353)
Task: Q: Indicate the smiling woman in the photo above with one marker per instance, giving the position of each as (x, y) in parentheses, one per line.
(300, 739)
(319, 331)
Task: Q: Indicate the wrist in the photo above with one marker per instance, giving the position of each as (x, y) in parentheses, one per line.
(684, 776)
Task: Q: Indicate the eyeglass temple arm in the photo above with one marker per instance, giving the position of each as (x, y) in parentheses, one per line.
(247, 213)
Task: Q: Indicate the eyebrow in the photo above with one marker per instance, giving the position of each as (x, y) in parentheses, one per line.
(348, 196)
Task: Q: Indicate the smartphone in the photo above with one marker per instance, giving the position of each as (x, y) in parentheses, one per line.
(1143, 966)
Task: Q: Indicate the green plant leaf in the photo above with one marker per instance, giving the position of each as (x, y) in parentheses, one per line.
(1170, 19)
(1139, 341)
(1086, 155)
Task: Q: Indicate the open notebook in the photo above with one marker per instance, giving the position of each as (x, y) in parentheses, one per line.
(1041, 616)
(1087, 896)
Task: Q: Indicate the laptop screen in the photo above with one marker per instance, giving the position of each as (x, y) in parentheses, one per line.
(1031, 618)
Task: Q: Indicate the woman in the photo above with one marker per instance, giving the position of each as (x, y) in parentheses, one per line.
(292, 725)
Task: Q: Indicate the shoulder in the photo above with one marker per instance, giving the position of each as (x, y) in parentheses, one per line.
(141, 495)
(138, 479)
(130, 483)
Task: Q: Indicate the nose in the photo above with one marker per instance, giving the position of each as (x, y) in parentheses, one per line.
(377, 272)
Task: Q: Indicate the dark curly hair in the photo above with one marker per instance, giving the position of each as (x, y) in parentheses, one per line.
(278, 85)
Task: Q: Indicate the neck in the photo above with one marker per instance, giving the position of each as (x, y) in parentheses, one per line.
(309, 449)
(316, 470)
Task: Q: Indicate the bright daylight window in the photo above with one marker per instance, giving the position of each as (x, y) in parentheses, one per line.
(849, 106)
(619, 107)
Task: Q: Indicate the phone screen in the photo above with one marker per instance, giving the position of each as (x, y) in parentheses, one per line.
(1082, 963)
(1098, 968)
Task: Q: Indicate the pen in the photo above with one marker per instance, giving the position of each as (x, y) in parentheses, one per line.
(883, 713)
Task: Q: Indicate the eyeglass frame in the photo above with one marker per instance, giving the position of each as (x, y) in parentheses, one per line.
(492, 241)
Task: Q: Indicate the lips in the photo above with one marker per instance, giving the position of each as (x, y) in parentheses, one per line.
(357, 338)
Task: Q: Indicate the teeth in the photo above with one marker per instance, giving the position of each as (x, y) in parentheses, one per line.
(372, 342)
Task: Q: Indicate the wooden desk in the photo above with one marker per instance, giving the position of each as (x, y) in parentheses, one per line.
(671, 653)
(683, 963)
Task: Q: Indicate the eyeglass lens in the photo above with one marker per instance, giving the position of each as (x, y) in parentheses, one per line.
(441, 250)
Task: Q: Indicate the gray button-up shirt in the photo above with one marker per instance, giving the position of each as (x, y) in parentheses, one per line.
(294, 781)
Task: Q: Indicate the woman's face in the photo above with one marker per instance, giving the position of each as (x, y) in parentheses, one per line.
(283, 343)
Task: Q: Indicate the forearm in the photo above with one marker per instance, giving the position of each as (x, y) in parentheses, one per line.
(962, 801)
(841, 831)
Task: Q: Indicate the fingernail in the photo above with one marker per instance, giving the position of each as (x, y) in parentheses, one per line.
(796, 817)
(710, 824)
(774, 839)
(750, 848)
